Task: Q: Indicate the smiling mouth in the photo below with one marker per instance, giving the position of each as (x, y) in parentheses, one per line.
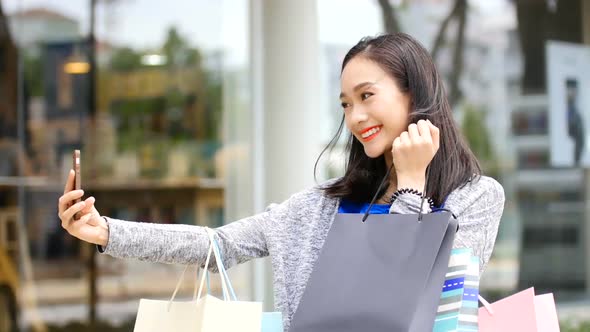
(371, 133)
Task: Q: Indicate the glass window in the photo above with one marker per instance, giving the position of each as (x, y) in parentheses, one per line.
(138, 87)
(533, 160)
(511, 99)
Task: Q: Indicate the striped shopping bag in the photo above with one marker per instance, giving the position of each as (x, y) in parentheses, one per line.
(458, 306)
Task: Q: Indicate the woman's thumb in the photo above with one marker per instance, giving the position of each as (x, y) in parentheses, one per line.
(89, 204)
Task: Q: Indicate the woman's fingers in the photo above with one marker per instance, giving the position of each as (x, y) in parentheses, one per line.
(69, 194)
(87, 226)
(424, 129)
(70, 181)
(75, 224)
(414, 149)
(89, 205)
(396, 144)
(405, 138)
(68, 214)
(414, 133)
(435, 133)
(66, 199)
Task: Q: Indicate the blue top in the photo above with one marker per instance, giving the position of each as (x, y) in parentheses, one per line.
(351, 207)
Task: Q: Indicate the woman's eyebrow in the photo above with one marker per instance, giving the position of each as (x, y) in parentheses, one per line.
(358, 87)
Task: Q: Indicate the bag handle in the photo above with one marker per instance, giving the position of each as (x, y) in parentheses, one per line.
(385, 178)
(224, 271)
(486, 304)
(223, 275)
(211, 234)
(178, 286)
(421, 209)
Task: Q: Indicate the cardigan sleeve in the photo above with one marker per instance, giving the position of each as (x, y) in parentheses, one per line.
(240, 240)
(478, 207)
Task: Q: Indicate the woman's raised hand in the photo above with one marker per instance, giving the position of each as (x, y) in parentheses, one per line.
(90, 226)
(413, 151)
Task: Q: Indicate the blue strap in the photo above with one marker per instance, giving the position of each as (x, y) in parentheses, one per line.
(208, 283)
(224, 274)
(223, 271)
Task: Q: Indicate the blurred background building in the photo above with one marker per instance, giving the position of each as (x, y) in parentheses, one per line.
(203, 112)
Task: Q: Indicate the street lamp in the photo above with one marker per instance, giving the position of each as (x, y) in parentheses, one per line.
(76, 67)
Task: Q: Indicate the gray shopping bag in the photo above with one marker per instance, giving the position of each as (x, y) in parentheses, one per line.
(385, 274)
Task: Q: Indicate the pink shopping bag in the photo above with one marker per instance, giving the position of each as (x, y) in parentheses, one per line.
(522, 312)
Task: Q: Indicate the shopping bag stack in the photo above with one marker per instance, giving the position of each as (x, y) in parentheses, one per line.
(206, 313)
(522, 312)
(457, 310)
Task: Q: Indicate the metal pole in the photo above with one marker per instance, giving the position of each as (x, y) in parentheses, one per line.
(26, 269)
(259, 279)
(92, 273)
(586, 222)
(28, 292)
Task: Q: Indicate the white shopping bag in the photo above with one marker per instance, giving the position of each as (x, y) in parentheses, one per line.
(203, 314)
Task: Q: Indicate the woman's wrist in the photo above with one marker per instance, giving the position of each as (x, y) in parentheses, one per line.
(415, 182)
(103, 237)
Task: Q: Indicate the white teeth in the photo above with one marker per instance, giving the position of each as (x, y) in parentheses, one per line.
(370, 132)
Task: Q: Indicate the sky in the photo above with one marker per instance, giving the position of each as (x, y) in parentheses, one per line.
(142, 23)
(210, 24)
(215, 24)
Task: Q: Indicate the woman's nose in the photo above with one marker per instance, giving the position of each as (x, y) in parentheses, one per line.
(359, 114)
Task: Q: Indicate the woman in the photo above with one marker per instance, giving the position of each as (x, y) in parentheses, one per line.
(394, 104)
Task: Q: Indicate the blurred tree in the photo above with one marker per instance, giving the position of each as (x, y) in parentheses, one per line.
(176, 49)
(476, 133)
(389, 14)
(178, 52)
(193, 57)
(191, 104)
(125, 59)
(33, 72)
(173, 46)
(213, 106)
(458, 13)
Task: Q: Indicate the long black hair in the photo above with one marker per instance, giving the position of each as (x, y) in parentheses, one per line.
(410, 65)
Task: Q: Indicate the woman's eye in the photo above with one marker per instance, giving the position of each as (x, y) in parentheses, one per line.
(366, 95)
(344, 105)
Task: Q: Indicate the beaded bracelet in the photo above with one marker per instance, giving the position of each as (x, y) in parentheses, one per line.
(411, 191)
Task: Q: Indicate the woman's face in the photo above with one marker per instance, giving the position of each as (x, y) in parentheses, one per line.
(375, 110)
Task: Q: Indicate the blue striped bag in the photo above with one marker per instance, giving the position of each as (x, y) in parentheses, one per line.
(458, 306)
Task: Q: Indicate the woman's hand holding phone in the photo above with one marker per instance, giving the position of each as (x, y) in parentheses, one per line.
(90, 226)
